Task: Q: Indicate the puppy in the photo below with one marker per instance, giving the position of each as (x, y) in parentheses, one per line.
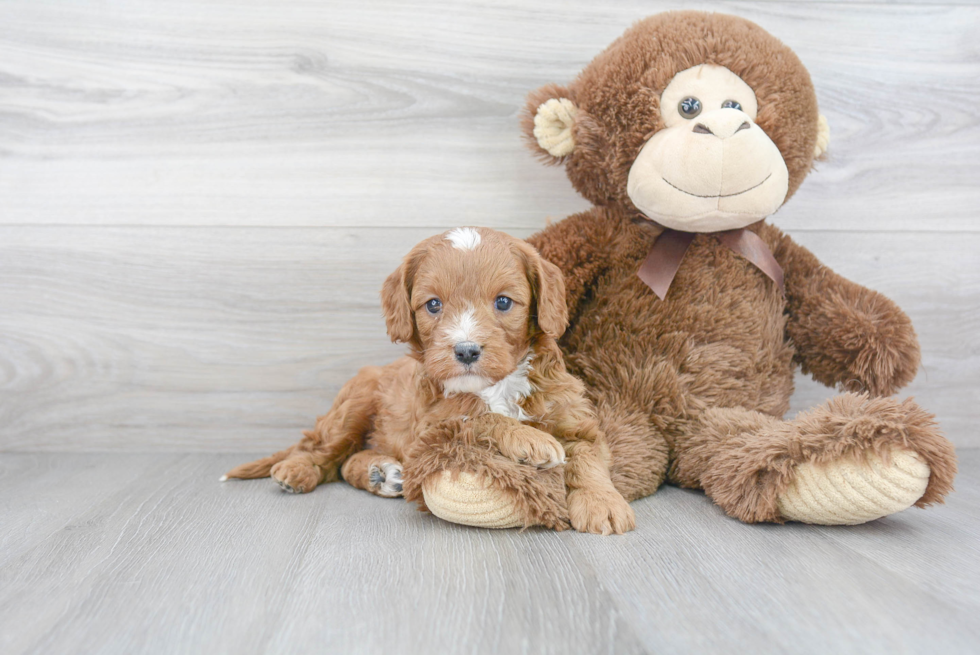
(480, 311)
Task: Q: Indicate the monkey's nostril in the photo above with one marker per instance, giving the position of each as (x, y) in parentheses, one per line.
(467, 352)
(701, 128)
(743, 126)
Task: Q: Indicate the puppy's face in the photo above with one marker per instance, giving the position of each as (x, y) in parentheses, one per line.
(470, 301)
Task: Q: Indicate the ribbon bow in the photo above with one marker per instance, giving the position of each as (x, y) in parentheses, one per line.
(660, 266)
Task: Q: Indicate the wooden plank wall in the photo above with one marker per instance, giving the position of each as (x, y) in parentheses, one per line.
(199, 200)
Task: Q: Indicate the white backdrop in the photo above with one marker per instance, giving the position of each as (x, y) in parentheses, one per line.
(199, 200)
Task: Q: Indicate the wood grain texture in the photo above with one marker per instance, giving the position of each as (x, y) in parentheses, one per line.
(392, 113)
(199, 200)
(218, 339)
(155, 556)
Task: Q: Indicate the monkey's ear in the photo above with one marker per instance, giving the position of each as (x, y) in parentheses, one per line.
(548, 122)
(823, 137)
(396, 297)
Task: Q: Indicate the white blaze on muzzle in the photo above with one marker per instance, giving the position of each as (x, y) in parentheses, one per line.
(464, 328)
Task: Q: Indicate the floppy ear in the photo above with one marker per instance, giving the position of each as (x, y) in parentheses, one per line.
(552, 310)
(548, 287)
(548, 121)
(396, 297)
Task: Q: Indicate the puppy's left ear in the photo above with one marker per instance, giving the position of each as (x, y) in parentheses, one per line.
(552, 310)
(396, 297)
(548, 286)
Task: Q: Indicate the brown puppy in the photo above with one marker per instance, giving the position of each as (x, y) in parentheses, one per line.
(481, 311)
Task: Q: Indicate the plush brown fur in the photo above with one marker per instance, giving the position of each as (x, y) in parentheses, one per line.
(424, 411)
(692, 388)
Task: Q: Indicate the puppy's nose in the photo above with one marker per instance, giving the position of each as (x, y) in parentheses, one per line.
(467, 352)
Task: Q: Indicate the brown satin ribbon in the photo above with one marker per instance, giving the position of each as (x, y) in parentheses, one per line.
(660, 266)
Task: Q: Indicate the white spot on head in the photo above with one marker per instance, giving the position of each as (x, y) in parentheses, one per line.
(223, 478)
(464, 328)
(464, 238)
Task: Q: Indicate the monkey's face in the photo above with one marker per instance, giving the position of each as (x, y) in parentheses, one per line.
(700, 122)
(711, 167)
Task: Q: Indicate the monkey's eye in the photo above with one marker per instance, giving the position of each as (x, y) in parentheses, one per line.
(731, 104)
(434, 306)
(503, 303)
(689, 107)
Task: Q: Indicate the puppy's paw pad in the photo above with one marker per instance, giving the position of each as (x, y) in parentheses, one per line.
(285, 486)
(386, 480)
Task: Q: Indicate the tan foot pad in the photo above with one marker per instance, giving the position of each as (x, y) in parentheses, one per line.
(469, 501)
(849, 492)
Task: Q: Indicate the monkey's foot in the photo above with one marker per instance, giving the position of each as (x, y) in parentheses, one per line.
(471, 500)
(851, 491)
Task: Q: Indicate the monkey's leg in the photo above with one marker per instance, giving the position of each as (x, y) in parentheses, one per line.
(458, 474)
(852, 460)
(462, 478)
(639, 452)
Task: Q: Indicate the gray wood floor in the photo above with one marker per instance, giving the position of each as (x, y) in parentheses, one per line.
(148, 553)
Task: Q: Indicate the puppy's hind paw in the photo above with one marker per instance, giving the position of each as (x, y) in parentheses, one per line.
(296, 476)
(386, 479)
(288, 488)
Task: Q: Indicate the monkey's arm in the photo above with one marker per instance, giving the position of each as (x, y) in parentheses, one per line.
(844, 334)
(580, 246)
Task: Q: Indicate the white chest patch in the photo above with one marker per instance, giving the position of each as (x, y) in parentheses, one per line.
(503, 397)
(464, 238)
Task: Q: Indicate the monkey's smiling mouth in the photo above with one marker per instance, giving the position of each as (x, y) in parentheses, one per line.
(721, 195)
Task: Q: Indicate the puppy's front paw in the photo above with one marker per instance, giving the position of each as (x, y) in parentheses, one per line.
(600, 512)
(528, 445)
(297, 476)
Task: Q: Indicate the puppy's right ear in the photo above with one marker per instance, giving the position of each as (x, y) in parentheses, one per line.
(396, 297)
(548, 122)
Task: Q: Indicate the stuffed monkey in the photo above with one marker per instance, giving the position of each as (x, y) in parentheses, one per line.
(689, 312)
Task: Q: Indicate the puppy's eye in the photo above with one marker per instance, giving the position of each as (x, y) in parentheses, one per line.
(434, 306)
(503, 303)
(689, 107)
(731, 104)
